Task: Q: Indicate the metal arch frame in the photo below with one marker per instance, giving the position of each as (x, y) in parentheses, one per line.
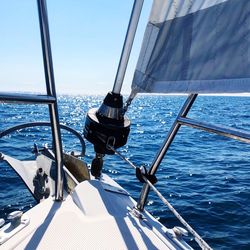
(38, 124)
(49, 99)
(180, 120)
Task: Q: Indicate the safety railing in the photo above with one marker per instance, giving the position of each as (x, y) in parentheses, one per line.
(50, 99)
(180, 120)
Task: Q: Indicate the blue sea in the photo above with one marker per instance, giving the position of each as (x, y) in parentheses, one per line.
(206, 177)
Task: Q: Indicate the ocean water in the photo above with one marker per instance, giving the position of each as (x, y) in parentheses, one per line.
(206, 177)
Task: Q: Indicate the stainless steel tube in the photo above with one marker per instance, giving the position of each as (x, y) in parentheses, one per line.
(237, 134)
(51, 91)
(26, 98)
(127, 46)
(170, 137)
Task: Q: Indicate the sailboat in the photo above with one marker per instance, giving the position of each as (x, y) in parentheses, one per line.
(187, 48)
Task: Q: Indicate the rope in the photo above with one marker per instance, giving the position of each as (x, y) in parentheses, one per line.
(197, 237)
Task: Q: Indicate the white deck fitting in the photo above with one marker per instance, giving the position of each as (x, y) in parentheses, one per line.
(90, 218)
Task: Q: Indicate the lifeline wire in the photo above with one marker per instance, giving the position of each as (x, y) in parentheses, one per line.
(197, 237)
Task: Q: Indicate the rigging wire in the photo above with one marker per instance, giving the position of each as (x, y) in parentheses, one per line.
(197, 237)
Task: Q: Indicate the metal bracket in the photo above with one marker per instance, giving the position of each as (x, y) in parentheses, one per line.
(18, 221)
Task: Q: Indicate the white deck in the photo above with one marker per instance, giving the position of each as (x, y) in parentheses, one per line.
(91, 218)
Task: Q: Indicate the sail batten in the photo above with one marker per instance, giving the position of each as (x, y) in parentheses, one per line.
(197, 47)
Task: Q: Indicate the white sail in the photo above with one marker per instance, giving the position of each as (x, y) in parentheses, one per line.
(195, 46)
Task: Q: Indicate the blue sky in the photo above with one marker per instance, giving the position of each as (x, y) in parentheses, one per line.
(87, 39)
